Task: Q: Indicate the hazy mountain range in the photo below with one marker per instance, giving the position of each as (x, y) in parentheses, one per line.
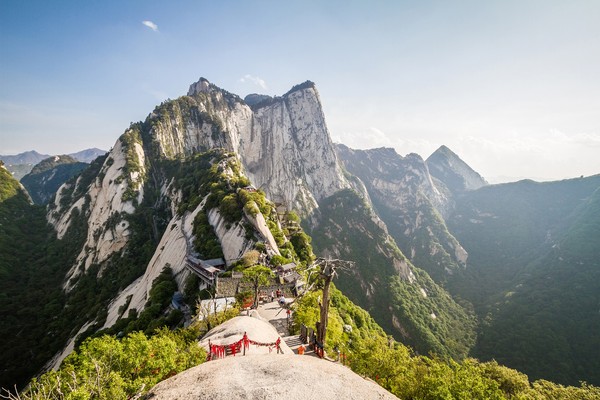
(21, 164)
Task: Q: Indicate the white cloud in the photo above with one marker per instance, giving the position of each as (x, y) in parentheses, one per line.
(371, 137)
(378, 136)
(255, 80)
(151, 25)
(548, 155)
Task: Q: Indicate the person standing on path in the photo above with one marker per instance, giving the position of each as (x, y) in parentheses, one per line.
(245, 342)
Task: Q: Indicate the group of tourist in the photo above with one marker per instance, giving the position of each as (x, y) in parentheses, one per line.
(279, 296)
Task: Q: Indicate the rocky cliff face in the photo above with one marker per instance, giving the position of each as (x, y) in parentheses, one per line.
(103, 204)
(283, 144)
(410, 204)
(289, 152)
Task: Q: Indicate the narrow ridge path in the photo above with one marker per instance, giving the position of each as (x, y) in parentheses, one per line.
(277, 316)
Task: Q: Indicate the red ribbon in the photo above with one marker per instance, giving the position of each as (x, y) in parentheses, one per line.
(220, 351)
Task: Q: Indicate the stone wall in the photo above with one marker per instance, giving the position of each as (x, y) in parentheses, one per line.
(229, 287)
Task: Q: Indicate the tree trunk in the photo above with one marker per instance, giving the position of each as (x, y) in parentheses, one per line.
(324, 310)
(255, 305)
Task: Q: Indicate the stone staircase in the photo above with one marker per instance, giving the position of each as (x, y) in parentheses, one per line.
(293, 342)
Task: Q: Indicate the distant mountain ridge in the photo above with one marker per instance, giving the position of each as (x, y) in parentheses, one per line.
(88, 155)
(48, 175)
(21, 164)
(411, 205)
(27, 157)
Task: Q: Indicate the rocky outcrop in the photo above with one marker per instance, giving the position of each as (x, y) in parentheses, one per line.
(446, 166)
(176, 244)
(102, 207)
(171, 252)
(411, 205)
(283, 144)
(289, 151)
(289, 377)
(254, 326)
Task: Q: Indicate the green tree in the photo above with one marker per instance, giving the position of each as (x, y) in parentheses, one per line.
(108, 368)
(258, 276)
(301, 242)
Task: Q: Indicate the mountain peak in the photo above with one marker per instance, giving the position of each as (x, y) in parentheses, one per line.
(445, 150)
(202, 86)
(304, 85)
(27, 157)
(52, 162)
(449, 168)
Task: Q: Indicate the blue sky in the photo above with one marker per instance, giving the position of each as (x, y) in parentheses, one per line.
(513, 87)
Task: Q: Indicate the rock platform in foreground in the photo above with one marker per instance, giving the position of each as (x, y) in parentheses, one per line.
(289, 377)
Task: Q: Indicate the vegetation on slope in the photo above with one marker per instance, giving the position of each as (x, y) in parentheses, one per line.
(438, 324)
(559, 293)
(109, 368)
(154, 315)
(369, 352)
(31, 272)
(429, 243)
(133, 171)
(122, 366)
(9, 187)
(534, 275)
(348, 231)
(37, 313)
(46, 177)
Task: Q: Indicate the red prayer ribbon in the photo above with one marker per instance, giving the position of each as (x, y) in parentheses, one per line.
(220, 350)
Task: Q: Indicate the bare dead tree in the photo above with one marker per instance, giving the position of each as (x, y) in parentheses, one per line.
(327, 271)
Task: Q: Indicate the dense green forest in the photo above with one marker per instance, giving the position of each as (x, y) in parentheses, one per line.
(31, 272)
(534, 275)
(396, 367)
(39, 316)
